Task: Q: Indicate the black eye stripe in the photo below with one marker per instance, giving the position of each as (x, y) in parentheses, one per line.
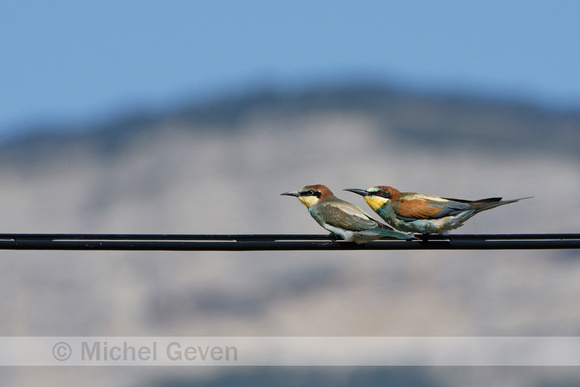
(383, 194)
(310, 192)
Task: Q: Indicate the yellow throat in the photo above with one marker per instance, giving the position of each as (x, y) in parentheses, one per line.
(375, 202)
(308, 201)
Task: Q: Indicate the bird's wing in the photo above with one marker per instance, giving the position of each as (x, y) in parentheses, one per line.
(346, 215)
(419, 206)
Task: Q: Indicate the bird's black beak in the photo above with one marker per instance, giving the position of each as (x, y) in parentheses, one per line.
(358, 191)
(290, 194)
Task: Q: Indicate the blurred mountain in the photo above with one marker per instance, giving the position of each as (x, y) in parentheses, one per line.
(219, 167)
(419, 119)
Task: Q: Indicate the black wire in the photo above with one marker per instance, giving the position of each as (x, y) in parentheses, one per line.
(246, 237)
(263, 242)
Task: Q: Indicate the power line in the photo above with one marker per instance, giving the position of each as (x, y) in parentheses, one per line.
(271, 242)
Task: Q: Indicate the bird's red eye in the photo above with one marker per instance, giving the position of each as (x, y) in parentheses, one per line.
(379, 192)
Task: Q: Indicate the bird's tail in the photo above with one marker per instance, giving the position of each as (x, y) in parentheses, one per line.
(489, 203)
(386, 231)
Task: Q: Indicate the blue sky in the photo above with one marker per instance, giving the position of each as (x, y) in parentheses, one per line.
(77, 61)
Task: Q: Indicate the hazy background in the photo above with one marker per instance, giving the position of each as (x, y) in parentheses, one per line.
(192, 117)
(67, 62)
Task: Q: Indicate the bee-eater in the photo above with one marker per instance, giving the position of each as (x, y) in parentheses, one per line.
(419, 213)
(343, 218)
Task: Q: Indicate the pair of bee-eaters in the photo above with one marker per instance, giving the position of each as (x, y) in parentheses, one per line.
(405, 212)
